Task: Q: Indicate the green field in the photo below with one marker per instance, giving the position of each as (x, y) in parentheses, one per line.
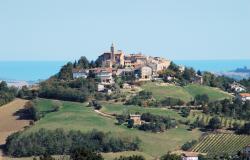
(116, 108)
(216, 144)
(79, 117)
(186, 93)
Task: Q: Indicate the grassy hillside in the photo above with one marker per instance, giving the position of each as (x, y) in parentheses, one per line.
(119, 108)
(215, 144)
(186, 93)
(213, 93)
(79, 117)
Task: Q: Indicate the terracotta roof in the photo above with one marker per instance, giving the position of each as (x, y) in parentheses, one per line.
(190, 154)
(97, 70)
(245, 94)
(75, 70)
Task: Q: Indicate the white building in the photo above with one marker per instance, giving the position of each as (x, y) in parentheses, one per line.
(190, 156)
(82, 73)
(244, 96)
(105, 75)
(238, 87)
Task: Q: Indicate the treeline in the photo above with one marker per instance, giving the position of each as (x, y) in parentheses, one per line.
(78, 90)
(235, 108)
(6, 94)
(59, 142)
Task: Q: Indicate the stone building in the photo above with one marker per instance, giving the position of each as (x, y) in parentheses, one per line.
(143, 73)
(136, 118)
(112, 58)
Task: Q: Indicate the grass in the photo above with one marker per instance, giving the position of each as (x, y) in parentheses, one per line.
(217, 144)
(76, 116)
(186, 93)
(116, 108)
(112, 156)
(213, 93)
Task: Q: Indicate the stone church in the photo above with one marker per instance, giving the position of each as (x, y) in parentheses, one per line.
(112, 58)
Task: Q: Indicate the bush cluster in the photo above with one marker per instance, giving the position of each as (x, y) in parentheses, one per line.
(59, 142)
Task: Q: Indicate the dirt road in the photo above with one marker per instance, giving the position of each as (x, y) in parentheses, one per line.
(9, 122)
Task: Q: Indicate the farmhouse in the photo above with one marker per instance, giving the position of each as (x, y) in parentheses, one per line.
(190, 156)
(244, 96)
(136, 118)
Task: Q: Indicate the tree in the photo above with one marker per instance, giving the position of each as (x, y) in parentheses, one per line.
(170, 156)
(84, 154)
(214, 123)
(185, 112)
(130, 123)
(189, 74)
(3, 86)
(83, 62)
(188, 145)
(134, 157)
(201, 99)
(66, 72)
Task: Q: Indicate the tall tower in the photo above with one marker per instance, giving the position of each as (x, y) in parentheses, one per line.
(112, 50)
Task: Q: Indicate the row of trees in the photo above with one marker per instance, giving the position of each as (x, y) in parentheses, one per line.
(78, 90)
(6, 94)
(59, 142)
(235, 108)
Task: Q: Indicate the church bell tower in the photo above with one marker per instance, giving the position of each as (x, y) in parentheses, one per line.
(112, 50)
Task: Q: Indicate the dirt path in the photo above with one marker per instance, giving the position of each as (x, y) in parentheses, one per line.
(9, 122)
(104, 114)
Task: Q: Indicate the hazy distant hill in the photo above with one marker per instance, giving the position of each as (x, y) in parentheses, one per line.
(239, 73)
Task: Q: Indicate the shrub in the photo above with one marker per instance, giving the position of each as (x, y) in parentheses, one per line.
(188, 145)
(134, 157)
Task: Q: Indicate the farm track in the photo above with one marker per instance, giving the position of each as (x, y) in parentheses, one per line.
(10, 121)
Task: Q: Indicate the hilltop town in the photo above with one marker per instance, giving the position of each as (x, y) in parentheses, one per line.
(118, 63)
(127, 105)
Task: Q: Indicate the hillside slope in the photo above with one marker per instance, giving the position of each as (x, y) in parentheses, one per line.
(186, 93)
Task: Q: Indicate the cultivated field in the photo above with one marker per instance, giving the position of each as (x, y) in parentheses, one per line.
(79, 117)
(186, 93)
(9, 121)
(215, 144)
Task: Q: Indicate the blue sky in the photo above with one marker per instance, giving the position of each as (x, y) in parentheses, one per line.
(175, 29)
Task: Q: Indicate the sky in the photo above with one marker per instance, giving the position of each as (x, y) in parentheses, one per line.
(59, 30)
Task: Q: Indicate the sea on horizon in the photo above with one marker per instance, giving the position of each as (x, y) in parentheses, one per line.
(41, 70)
